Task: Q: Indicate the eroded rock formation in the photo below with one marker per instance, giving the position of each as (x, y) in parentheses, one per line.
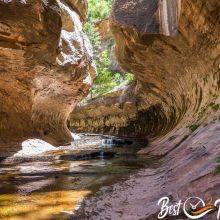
(46, 67)
(186, 171)
(108, 113)
(173, 49)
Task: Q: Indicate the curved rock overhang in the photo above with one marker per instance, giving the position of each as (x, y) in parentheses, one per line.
(46, 68)
(173, 49)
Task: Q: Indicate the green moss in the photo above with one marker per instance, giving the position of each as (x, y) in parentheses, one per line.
(215, 107)
(202, 112)
(217, 170)
(194, 127)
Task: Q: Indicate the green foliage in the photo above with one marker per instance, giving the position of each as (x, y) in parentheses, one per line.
(106, 80)
(99, 9)
(93, 36)
(129, 77)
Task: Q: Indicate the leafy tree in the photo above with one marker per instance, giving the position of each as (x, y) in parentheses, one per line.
(106, 80)
(99, 9)
(93, 36)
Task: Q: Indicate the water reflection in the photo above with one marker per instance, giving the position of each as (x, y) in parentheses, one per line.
(44, 188)
(41, 205)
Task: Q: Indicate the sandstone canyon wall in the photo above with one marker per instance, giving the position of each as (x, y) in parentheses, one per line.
(172, 47)
(46, 67)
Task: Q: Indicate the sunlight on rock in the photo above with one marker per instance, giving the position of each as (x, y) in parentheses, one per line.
(32, 147)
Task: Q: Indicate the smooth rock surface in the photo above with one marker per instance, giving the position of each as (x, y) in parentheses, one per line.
(172, 48)
(46, 68)
(188, 170)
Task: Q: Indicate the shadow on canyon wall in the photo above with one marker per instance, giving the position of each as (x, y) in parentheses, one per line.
(171, 46)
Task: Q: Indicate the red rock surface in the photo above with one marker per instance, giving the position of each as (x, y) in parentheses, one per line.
(172, 47)
(46, 68)
(187, 170)
(176, 63)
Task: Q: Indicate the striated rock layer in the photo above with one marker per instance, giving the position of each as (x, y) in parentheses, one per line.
(172, 47)
(185, 171)
(46, 67)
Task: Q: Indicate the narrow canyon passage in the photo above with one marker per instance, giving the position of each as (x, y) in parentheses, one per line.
(172, 47)
(113, 127)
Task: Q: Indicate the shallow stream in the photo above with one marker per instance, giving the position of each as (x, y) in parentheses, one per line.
(52, 185)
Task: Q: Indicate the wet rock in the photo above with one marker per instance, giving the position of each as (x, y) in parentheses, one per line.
(185, 171)
(172, 48)
(46, 68)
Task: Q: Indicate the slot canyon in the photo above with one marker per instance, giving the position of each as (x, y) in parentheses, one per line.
(172, 47)
(46, 68)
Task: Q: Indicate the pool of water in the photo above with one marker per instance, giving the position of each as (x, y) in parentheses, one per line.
(47, 187)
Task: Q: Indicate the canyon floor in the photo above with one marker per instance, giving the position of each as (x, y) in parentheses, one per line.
(44, 182)
(162, 98)
(87, 181)
(188, 169)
